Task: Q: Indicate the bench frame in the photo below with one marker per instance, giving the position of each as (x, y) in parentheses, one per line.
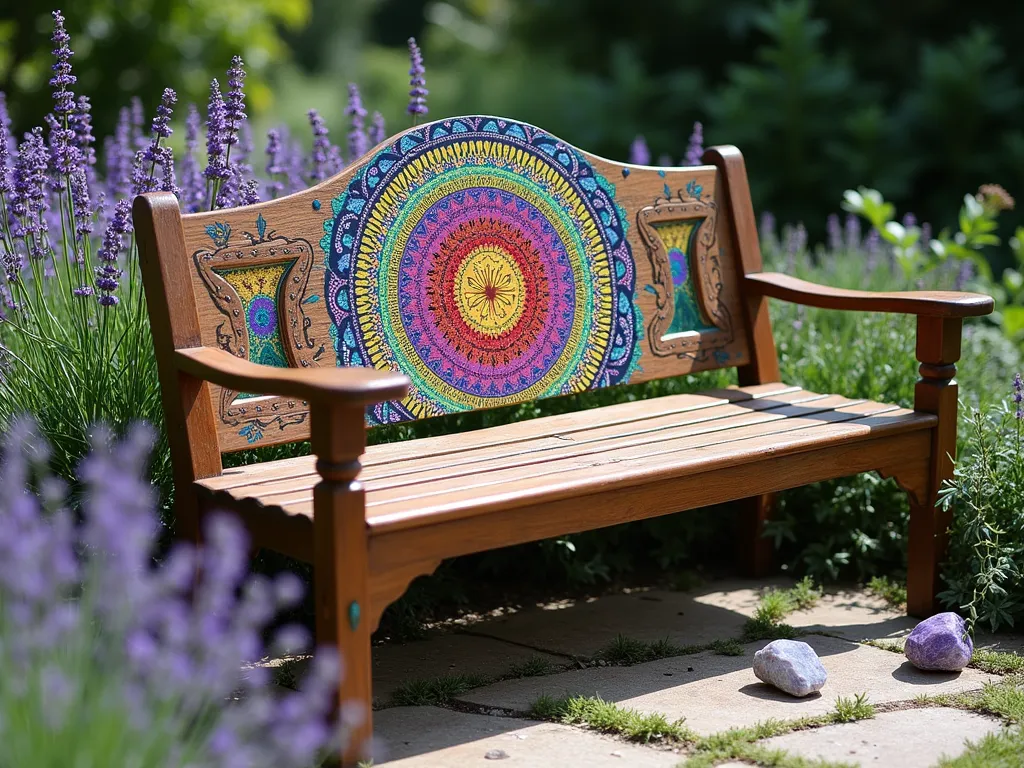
(358, 576)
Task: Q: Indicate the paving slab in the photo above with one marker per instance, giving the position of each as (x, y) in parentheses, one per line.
(715, 692)
(430, 737)
(584, 627)
(911, 738)
(436, 655)
(855, 615)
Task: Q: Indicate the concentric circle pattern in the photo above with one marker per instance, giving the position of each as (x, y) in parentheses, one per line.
(485, 260)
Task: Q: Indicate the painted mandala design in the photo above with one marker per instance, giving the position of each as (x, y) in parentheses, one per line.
(488, 262)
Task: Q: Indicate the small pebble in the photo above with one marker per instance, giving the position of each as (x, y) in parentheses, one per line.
(940, 643)
(791, 666)
(496, 754)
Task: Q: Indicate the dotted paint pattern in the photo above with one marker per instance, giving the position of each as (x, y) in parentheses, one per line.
(488, 262)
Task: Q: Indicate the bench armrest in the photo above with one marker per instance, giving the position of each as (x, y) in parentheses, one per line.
(355, 386)
(947, 304)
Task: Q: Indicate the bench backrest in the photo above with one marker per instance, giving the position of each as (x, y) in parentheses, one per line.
(486, 259)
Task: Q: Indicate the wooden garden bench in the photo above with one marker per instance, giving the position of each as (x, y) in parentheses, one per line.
(478, 262)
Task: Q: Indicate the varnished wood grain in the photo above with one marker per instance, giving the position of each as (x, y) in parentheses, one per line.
(938, 349)
(923, 303)
(642, 191)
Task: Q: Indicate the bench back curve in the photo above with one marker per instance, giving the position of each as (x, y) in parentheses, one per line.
(484, 258)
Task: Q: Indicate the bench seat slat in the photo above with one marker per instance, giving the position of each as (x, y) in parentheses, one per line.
(419, 482)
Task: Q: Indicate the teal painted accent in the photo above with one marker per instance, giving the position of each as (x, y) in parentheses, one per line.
(261, 225)
(316, 205)
(354, 613)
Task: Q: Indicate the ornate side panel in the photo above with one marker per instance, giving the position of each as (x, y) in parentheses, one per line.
(489, 261)
(693, 318)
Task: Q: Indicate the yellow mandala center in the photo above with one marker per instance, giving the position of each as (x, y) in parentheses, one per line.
(489, 291)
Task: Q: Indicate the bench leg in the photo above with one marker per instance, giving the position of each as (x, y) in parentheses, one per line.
(755, 553)
(938, 349)
(340, 578)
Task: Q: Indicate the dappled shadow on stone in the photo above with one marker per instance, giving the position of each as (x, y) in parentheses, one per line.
(908, 673)
(771, 693)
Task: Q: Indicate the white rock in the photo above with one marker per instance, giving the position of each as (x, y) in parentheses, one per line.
(791, 666)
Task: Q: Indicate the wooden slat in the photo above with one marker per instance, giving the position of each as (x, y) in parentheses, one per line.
(589, 446)
(570, 482)
(505, 435)
(448, 535)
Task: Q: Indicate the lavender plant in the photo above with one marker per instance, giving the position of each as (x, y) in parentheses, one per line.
(120, 662)
(986, 495)
(75, 345)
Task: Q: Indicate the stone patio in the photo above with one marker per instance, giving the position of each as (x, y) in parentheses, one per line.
(711, 692)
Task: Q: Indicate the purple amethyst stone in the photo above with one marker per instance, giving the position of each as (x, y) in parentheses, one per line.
(940, 643)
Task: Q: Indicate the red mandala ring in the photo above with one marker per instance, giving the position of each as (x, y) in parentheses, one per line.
(488, 292)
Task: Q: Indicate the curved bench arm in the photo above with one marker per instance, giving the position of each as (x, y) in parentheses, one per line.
(921, 303)
(348, 386)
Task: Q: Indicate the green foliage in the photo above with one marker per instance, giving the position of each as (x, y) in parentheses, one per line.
(438, 690)
(997, 662)
(136, 49)
(894, 593)
(857, 708)
(774, 606)
(627, 650)
(987, 535)
(607, 717)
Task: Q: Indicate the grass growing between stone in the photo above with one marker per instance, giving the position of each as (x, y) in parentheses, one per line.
(607, 717)
(626, 651)
(441, 690)
(742, 743)
(774, 606)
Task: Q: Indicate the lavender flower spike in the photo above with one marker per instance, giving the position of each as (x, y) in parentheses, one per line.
(357, 139)
(108, 273)
(323, 151)
(417, 84)
(695, 150)
(377, 130)
(234, 102)
(639, 154)
(6, 184)
(162, 120)
(216, 136)
(62, 80)
(274, 168)
(192, 191)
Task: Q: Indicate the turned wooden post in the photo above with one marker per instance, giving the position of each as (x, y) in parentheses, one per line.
(938, 349)
(341, 558)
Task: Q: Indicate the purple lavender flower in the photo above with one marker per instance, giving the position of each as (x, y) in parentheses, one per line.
(796, 239)
(909, 220)
(193, 192)
(79, 185)
(234, 103)
(417, 84)
(29, 198)
(118, 156)
(109, 273)
(873, 242)
(926, 235)
(6, 184)
(357, 139)
(274, 168)
(964, 274)
(766, 230)
(835, 233)
(80, 122)
(665, 160)
(62, 80)
(249, 193)
(377, 130)
(216, 136)
(639, 154)
(324, 152)
(162, 121)
(695, 150)
(852, 232)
